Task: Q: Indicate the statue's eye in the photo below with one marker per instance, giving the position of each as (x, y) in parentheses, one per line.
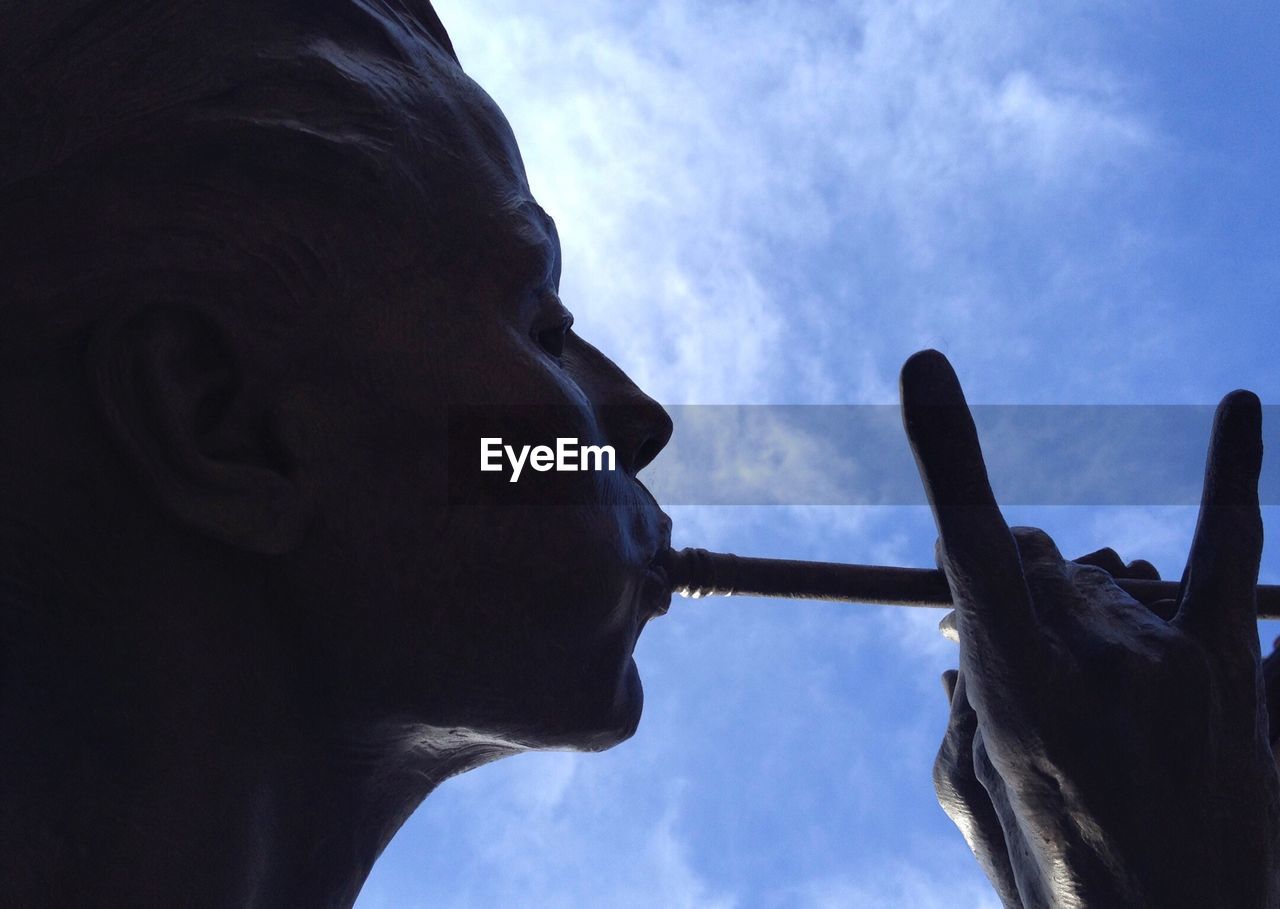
(551, 338)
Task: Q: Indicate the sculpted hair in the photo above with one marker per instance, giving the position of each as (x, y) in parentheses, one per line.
(226, 149)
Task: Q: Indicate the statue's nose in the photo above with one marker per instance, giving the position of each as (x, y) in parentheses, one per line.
(636, 425)
(639, 428)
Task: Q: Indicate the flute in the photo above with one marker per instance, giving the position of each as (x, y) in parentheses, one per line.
(699, 573)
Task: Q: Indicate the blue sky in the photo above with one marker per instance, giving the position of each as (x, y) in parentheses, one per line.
(776, 203)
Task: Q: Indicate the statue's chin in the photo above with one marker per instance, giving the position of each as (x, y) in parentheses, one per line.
(630, 705)
(613, 723)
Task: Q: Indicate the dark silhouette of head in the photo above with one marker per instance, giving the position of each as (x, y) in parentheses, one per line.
(268, 271)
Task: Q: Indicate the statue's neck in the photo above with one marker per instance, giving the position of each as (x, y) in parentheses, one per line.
(154, 771)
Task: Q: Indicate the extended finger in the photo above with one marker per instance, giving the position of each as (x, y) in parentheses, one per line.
(1106, 558)
(979, 555)
(947, 624)
(1140, 569)
(1218, 599)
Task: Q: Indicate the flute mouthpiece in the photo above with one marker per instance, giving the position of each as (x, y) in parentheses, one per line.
(697, 573)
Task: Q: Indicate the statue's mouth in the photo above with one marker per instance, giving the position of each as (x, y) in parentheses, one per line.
(657, 591)
(657, 584)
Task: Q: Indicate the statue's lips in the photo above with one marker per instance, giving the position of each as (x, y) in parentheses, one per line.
(656, 593)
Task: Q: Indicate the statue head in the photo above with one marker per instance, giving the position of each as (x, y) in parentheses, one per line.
(270, 270)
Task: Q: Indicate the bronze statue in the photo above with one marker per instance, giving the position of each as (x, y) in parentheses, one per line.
(264, 265)
(257, 257)
(1101, 752)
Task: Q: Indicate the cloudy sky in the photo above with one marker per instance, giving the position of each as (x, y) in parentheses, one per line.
(776, 202)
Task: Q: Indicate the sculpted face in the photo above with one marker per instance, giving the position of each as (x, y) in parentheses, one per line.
(425, 590)
(308, 285)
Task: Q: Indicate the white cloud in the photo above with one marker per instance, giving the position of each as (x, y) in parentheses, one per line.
(675, 884)
(895, 886)
(706, 161)
(529, 842)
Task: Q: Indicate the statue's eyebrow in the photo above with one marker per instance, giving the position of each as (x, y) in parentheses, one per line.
(548, 223)
(526, 211)
(534, 232)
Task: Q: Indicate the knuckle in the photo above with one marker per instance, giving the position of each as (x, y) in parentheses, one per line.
(1141, 568)
(1105, 558)
(1034, 544)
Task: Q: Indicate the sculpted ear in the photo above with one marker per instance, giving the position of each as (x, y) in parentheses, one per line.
(178, 405)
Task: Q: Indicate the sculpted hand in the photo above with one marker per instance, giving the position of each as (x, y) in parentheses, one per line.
(968, 788)
(1125, 756)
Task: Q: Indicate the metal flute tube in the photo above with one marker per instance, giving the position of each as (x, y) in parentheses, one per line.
(699, 573)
